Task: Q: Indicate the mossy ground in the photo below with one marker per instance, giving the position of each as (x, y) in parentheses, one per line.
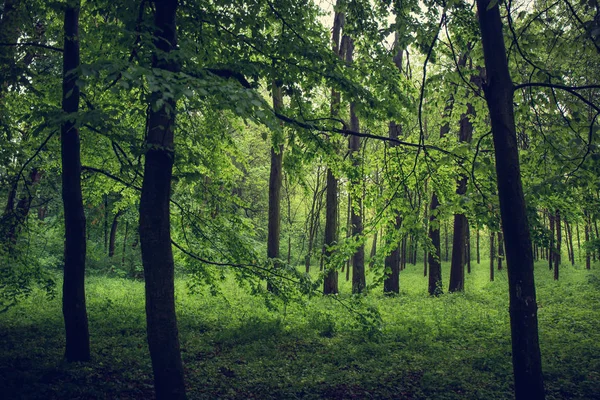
(456, 346)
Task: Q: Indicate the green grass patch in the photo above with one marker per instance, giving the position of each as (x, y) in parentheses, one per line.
(456, 346)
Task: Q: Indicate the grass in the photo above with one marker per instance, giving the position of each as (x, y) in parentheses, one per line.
(456, 346)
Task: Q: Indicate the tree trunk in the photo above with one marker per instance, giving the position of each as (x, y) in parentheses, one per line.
(358, 260)
(570, 242)
(477, 247)
(551, 248)
(492, 255)
(457, 269)
(330, 283)
(275, 179)
(527, 365)
(391, 283)
(587, 240)
(113, 233)
(155, 226)
(557, 256)
(74, 309)
(434, 258)
(500, 250)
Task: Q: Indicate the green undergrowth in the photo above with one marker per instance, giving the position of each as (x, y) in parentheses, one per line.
(409, 346)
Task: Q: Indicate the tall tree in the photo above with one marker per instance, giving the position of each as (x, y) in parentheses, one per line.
(461, 225)
(498, 91)
(391, 283)
(155, 226)
(355, 199)
(275, 179)
(330, 284)
(74, 309)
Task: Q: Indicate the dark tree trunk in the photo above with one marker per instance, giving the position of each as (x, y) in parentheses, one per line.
(457, 269)
(391, 283)
(551, 248)
(587, 240)
(557, 256)
(434, 258)
(527, 365)
(477, 246)
(330, 284)
(500, 250)
(461, 225)
(113, 233)
(74, 308)
(492, 255)
(570, 242)
(578, 242)
(155, 226)
(373, 247)
(358, 260)
(275, 179)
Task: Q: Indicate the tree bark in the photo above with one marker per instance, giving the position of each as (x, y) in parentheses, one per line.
(587, 228)
(391, 283)
(527, 365)
(358, 260)
(477, 246)
(113, 233)
(74, 308)
(492, 255)
(275, 179)
(551, 250)
(557, 256)
(155, 226)
(500, 249)
(434, 258)
(330, 283)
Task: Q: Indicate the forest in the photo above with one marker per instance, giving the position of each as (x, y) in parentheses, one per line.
(300, 199)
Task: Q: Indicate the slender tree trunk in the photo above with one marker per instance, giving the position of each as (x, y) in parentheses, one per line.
(477, 246)
(275, 179)
(155, 226)
(500, 250)
(391, 283)
(578, 242)
(74, 308)
(551, 250)
(330, 283)
(356, 209)
(557, 256)
(527, 365)
(434, 258)
(492, 255)
(587, 240)
(113, 233)
(570, 242)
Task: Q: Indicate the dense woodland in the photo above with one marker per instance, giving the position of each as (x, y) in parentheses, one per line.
(349, 164)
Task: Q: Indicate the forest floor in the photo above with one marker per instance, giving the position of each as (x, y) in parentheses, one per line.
(456, 346)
